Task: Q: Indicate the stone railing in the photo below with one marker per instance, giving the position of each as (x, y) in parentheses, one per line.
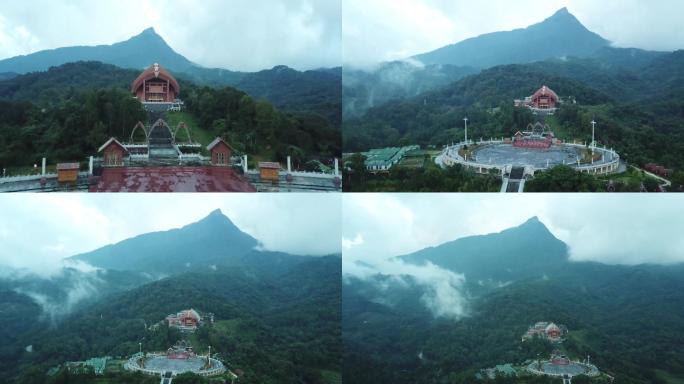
(132, 365)
(16, 178)
(450, 156)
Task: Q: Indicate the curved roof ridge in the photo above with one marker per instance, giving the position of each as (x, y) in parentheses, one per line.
(150, 72)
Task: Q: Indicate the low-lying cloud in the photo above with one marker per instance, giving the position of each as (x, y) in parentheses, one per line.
(59, 294)
(443, 290)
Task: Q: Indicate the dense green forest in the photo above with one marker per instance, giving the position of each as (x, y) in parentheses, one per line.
(256, 127)
(638, 108)
(67, 112)
(430, 178)
(281, 328)
(628, 319)
(69, 131)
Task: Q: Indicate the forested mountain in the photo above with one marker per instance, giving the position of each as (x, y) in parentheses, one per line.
(281, 328)
(66, 113)
(62, 82)
(484, 257)
(277, 315)
(313, 91)
(364, 89)
(435, 117)
(390, 336)
(214, 239)
(138, 52)
(638, 111)
(558, 36)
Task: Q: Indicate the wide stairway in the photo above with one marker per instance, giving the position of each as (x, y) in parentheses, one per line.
(515, 182)
(161, 145)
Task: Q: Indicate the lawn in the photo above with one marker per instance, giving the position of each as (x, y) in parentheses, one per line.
(196, 132)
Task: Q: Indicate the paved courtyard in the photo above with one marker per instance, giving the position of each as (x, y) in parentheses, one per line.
(159, 363)
(505, 154)
(572, 369)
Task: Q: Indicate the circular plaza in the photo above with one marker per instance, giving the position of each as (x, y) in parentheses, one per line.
(159, 364)
(502, 155)
(560, 366)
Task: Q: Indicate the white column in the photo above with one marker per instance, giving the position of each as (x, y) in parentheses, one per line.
(337, 170)
(289, 165)
(465, 120)
(244, 163)
(593, 143)
(90, 166)
(43, 169)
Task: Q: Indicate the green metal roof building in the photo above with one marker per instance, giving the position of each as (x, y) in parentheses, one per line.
(384, 158)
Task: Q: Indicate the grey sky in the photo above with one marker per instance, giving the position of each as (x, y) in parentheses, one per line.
(37, 230)
(615, 229)
(380, 30)
(245, 35)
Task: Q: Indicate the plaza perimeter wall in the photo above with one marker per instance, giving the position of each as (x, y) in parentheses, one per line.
(132, 365)
(450, 156)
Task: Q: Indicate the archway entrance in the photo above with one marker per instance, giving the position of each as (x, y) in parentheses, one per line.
(161, 143)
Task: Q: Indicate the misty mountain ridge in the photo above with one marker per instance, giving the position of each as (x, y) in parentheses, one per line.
(405, 328)
(560, 35)
(560, 40)
(312, 91)
(528, 250)
(138, 52)
(214, 239)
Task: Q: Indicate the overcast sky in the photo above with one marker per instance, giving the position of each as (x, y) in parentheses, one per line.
(381, 30)
(609, 228)
(38, 230)
(247, 35)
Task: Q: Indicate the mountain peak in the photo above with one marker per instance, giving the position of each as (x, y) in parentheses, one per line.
(562, 11)
(563, 15)
(560, 35)
(533, 220)
(216, 211)
(148, 34)
(533, 223)
(216, 216)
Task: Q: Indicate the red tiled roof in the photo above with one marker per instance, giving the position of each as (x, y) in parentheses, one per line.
(269, 165)
(546, 91)
(67, 166)
(149, 74)
(216, 142)
(171, 179)
(109, 142)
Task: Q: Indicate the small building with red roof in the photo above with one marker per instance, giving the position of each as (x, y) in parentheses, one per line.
(113, 153)
(220, 152)
(67, 172)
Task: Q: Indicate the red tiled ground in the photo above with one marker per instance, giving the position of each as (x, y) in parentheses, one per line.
(171, 179)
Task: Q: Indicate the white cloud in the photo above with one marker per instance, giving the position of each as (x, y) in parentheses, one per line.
(383, 30)
(347, 244)
(609, 228)
(38, 230)
(244, 35)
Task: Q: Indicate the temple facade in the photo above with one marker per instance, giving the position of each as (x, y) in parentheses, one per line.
(155, 85)
(536, 135)
(545, 330)
(543, 100)
(186, 320)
